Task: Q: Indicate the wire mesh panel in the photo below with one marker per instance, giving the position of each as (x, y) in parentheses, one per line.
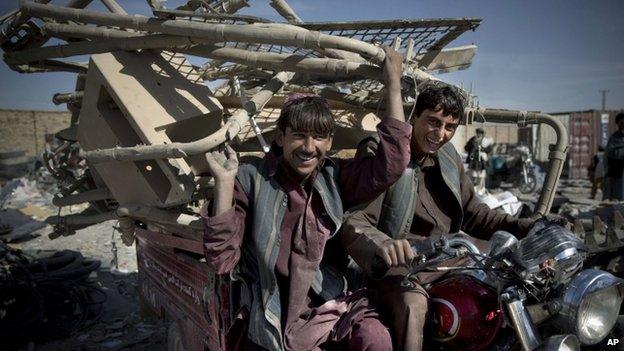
(427, 34)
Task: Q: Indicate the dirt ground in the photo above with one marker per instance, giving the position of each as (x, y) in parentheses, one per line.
(122, 326)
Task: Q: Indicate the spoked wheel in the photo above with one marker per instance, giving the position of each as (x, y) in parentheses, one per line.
(529, 186)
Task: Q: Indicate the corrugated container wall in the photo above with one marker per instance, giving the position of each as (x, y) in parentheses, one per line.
(587, 130)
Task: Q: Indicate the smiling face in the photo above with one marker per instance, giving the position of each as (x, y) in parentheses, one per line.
(432, 129)
(303, 151)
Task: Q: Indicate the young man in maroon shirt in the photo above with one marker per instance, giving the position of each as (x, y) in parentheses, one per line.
(273, 222)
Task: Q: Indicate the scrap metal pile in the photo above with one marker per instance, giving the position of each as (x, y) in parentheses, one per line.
(143, 114)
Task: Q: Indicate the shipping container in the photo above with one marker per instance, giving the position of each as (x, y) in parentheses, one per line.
(587, 130)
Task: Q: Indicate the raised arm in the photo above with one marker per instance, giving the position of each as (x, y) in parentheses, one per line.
(364, 179)
(393, 68)
(225, 220)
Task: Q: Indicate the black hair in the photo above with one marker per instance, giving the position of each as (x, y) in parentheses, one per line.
(480, 131)
(307, 114)
(619, 117)
(441, 97)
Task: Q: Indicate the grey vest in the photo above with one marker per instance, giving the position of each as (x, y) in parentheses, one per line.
(256, 269)
(400, 200)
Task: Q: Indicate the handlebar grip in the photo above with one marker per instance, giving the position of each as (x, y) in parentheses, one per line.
(424, 247)
(378, 268)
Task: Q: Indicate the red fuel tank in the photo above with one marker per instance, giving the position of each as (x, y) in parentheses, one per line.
(464, 313)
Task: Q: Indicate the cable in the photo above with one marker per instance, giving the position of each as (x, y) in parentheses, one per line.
(52, 296)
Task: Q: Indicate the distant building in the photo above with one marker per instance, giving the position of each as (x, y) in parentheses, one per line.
(26, 129)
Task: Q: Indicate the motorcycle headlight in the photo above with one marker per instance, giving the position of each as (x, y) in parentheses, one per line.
(590, 305)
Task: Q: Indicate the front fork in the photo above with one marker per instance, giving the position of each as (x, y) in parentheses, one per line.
(526, 331)
(525, 173)
(521, 321)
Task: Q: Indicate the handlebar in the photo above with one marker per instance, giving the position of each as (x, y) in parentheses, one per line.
(429, 252)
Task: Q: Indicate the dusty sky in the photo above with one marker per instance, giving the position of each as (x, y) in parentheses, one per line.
(548, 55)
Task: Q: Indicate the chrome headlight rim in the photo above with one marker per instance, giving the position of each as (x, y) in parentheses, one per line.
(582, 285)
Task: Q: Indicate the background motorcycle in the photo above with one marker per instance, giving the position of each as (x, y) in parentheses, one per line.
(516, 168)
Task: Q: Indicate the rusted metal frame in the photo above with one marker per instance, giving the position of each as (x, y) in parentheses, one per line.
(259, 99)
(282, 7)
(65, 31)
(52, 66)
(81, 219)
(285, 62)
(229, 71)
(158, 215)
(8, 28)
(278, 34)
(276, 102)
(469, 23)
(431, 53)
(169, 240)
(231, 6)
(6, 16)
(155, 41)
(114, 7)
(63, 98)
(80, 198)
(177, 150)
(353, 100)
(139, 212)
(558, 151)
(208, 16)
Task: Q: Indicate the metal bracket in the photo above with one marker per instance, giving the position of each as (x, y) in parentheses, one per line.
(252, 121)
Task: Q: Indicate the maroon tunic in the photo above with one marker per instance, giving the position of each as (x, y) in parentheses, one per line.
(304, 232)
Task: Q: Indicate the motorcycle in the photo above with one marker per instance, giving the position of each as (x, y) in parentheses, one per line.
(519, 170)
(535, 287)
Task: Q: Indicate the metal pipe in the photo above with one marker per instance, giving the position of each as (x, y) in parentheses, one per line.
(232, 6)
(286, 62)
(85, 196)
(156, 41)
(282, 7)
(52, 66)
(160, 216)
(351, 99)
(80, 219)
(63, 98)
(268, 33)
(557, 154)
(521, 321)
(7, 29)
(130, 41)
(114, 7)
(266, 93)
(63, 31)
(177, 150)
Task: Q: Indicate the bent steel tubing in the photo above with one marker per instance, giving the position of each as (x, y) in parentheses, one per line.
(130, 211)
(278, 34)
(181, 150)
(557, 154)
